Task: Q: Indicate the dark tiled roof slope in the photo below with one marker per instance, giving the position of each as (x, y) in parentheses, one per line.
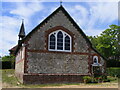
(14, 48)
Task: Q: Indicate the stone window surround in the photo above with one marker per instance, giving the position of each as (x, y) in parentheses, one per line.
(95, 57)
(64, 33)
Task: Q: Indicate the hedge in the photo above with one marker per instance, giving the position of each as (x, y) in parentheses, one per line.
(7, 64)
(113, 71)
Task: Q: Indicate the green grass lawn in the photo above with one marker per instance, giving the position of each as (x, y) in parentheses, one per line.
(8, 77)
(9, 80)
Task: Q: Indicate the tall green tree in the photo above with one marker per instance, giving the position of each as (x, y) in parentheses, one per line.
(8, 58)
(108, 43)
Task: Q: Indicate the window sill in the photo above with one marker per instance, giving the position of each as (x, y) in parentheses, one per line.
(59, 51)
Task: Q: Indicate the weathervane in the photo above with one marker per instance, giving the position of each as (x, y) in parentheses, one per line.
(60, 2)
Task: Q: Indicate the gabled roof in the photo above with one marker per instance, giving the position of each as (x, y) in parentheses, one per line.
(68, 16)
(44, 21)
(12, 50)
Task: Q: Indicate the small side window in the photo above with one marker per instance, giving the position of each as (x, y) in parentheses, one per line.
(95, 59)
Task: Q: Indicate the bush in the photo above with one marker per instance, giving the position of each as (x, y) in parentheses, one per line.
(87, 79)
(7, 62)
(110, 78)
(115, 72)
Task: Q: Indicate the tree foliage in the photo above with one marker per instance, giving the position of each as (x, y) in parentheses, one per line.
(8, 58)
(108, 42)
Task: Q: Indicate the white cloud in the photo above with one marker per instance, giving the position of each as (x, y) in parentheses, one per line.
(9, 33)
(25, 10)
(81, 14)
(11, 24)
(93, 32)
(97, 15)
(103, 12)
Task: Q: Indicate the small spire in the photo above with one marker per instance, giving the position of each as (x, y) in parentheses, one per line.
(61, 2)
(22, 30)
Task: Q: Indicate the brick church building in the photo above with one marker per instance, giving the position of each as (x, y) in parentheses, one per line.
(55, 51)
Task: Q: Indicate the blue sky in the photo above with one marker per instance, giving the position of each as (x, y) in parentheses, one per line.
(92, 17)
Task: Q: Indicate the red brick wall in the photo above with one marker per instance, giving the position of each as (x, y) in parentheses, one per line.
(43, 79)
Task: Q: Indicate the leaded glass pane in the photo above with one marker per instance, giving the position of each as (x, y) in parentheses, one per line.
(67, 43)
(60, 41)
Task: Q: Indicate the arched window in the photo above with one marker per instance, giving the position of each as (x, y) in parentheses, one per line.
(95, 59)
(52, 41)
(59, 41)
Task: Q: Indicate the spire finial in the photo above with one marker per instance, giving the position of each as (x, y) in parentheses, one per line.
(22, 20)
(60, 2)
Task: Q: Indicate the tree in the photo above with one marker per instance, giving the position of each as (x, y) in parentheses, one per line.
(108, 43)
